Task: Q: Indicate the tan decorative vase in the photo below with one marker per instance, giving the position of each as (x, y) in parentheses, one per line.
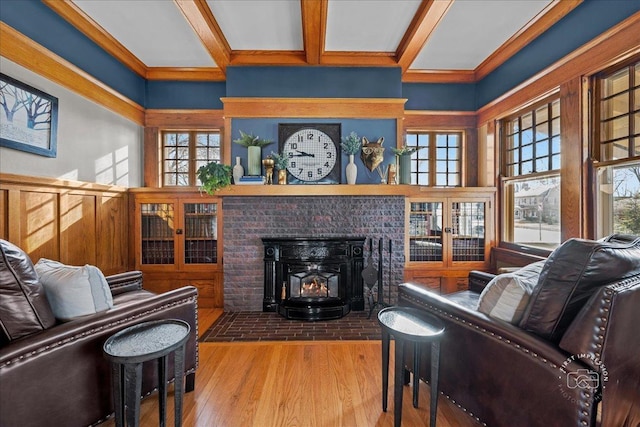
(282, 176)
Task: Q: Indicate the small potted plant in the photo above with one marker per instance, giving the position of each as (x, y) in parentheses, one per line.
(405, 150)
(404, 162)
(254, 146)
(351, 145)
(214, 176)
(281, 163)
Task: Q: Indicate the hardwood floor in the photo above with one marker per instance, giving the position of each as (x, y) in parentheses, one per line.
(324, 384)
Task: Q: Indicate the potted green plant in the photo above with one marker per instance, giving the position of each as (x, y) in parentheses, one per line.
(254, 145)
(281, 163)
(214, 176)
(351, 145)
(404, 162)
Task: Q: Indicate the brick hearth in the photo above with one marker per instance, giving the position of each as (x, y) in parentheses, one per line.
(248, 219)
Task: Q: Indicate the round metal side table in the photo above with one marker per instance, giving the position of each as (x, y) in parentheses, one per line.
(408, 324)
(128, 349)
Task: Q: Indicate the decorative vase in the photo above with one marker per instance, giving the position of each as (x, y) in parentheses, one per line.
(282, 176)
(404, 163)
(391, 174)
(238, 171)
(352, 171)
(254, 160)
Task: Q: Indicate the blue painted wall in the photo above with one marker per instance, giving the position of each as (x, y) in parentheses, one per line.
(314, 82)
(185, 95)
(439, 96)
(42, 25)
(371, 129)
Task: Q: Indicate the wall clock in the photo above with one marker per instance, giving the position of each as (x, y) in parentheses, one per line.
(313, 151)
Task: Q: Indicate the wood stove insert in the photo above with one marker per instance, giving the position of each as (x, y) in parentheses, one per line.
(313, 278)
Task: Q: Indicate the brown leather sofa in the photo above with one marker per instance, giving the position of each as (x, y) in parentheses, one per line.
(55, 374)
(505, 374)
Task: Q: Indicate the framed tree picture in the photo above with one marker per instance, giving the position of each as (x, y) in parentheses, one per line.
(28, 118)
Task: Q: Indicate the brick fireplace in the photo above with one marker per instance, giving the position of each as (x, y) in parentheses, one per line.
(247, 220)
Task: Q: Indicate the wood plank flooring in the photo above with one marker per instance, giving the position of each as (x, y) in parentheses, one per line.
(314, 383)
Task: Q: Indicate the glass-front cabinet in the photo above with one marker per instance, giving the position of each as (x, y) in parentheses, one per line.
(446, 237)
(177, 243)
(182, 234)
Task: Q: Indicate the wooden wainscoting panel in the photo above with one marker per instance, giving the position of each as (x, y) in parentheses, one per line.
(39, 225)
(68, 221)
(112, 236)
(4, 214)
(77, 216)
(440, 280)
(209, 284)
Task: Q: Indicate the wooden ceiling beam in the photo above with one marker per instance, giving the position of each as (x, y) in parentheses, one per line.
(426, 19)
(185, 73)
(202, 21)
(314, 28)
(268, 57)
(439, 76)
(359, 59)
(81, 21)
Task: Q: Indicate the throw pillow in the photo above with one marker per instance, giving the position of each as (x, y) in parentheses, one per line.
(74, 291)
(573, 272)
(24, 308)
(506, 296)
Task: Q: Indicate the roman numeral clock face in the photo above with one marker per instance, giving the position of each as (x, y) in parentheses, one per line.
(313, 152)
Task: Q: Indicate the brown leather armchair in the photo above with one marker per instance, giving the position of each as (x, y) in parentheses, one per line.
(59, 375)
(504, 374)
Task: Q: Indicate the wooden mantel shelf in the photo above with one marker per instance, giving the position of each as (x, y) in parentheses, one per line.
(326, 190)
(313, 190)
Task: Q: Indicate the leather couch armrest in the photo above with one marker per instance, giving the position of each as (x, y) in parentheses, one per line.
(481, 358)
(125, 282)
(478, 280)
(107, 321)
(416, 295)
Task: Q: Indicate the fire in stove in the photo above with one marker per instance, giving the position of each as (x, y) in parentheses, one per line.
(315, 287)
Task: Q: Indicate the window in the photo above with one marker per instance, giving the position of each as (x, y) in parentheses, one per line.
(531, 176)
(616, 124)
(617, 109)
(183, 152)
(438, 161)
(618, 199)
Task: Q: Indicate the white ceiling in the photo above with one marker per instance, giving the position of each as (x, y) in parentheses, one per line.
(472, 30)
(159, 35)
(368, 25)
